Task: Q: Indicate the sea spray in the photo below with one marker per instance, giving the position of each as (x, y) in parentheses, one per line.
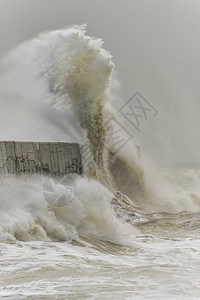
(60, 83)
(80, 74)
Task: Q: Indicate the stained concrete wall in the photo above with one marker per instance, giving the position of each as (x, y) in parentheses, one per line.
(27, 158)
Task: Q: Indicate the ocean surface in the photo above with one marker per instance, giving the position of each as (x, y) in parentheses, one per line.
(126, 228)
(161, 261)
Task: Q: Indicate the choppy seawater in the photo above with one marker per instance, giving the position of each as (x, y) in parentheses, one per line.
(162, 262)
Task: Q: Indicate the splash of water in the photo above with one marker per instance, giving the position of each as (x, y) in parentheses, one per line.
(59, 83)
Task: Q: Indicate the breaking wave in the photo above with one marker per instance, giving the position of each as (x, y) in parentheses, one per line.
(59, 83)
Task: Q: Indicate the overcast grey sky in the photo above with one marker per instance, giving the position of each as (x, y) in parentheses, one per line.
(156, 50)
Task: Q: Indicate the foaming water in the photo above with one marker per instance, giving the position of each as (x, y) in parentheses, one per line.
(131, 226)
(25, 215)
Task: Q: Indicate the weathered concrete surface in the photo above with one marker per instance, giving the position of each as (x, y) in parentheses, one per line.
(27, 158)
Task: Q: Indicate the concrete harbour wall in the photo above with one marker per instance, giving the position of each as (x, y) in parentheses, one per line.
(19, 159)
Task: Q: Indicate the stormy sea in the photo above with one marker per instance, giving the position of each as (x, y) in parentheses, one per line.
(130, 229)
